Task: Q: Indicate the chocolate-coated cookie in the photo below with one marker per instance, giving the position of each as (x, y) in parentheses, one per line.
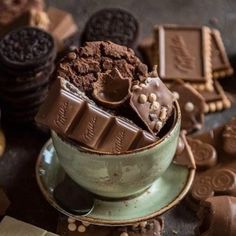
(116, 25)
(25, 49)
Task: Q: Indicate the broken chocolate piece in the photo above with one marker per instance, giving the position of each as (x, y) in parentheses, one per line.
(111, 90)
(191, 105)
(216, 100)
(217, 216)
(229, 137)
(4, 202)
(184, 52)
(69, 112)
(184, 155)
(153, 103)
(204, 154)
(220, 62)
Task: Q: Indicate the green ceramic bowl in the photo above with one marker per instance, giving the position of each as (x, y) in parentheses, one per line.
(119, 175)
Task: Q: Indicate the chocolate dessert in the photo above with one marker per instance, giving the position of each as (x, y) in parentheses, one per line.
(92, 84)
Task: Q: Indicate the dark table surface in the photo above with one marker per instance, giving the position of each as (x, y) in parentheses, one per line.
(17, 166)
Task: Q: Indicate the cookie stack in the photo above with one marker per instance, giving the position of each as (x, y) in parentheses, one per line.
(26, 63)
(195, 55)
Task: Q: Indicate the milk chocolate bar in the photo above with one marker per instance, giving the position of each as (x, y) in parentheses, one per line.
(221, 66)
(70, 113)
(184, 53)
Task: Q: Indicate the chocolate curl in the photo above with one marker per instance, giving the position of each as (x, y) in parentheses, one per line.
(218, 217)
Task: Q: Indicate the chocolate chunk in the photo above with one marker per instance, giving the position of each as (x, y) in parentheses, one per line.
(217, 216)
(115, 25)
(220, 62)
(99, 57)
(11, 9)
(229, 137)
(216, 100)
(111, 89)
(31, 17)
(16, 53)
(153, 103)
(204, 154)
(191, 105)
(70, 113)
(4, 202)
(62, 27)
(184, 52)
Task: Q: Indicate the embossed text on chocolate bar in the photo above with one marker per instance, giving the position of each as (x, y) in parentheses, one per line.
(70, 113)
(184, 53)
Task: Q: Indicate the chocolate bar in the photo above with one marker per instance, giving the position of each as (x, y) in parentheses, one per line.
(221, 66)
(217, 217)
(153, 102)
(68, 112)
(185, 53)
(216, 100)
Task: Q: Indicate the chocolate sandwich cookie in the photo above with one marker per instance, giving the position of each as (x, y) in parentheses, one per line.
(83, 66)
(17, 56)
(115, 25)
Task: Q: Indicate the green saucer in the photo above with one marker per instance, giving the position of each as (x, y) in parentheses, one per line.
(165, 193)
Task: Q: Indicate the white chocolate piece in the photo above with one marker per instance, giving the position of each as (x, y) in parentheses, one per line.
(71, 220)
(176, 95)
(143, 224)
(142, 85)
(135, 87)
(189, 107)
(72, 227)
(142, 98)
(81, 228)
(163, 114)
(85, 223)
(158, 125)
(124, 234)
(155, 106)
(152, 97)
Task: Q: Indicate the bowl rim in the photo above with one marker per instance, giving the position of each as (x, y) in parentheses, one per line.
(177, 121)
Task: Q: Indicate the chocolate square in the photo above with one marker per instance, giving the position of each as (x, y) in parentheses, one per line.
(220, 62)
(184, 53)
